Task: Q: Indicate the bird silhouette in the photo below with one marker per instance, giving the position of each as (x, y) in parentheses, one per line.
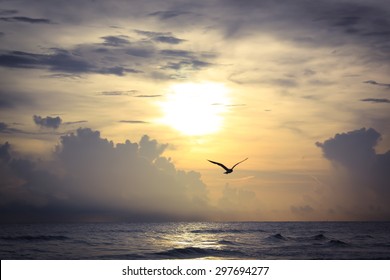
(227, 170)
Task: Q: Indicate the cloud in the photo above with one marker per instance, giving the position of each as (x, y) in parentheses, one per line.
(110, 56)
(117, 70)
(48, 122)
(59, 61)
(353, 149)
(12, 100)
(376, 100)
(236, 203)
(90, 176)
(186, 64)
(308, 24)
(119, 92)
(148, 95)
(164, 15)
(168, 39)
(377, 84)
(183, 60)
(74, 122)
(5, 155)
(359, 171)
(6, 129)
(132, 121)
(5, 12)
(145, 51)
(115, 41)
(302, 210)
(27, 20)
(177, 53)
(161, 37)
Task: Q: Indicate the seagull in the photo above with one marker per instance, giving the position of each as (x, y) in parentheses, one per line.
(227, 170)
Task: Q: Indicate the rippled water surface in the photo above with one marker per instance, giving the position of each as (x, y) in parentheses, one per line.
(288, 240)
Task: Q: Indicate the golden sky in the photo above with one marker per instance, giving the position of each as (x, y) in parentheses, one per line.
(112, 108)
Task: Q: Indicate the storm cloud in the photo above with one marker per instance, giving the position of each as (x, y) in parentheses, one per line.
(92, 176)
(360, 169)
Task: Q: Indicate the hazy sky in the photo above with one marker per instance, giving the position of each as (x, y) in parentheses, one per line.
(110, 110)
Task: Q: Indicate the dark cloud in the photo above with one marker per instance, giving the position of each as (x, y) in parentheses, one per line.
(354, 149)
(110, 57)
(27, 20)
(366, 170)
(182, 60)
(60, 61)
(164, 15)
(89, 176)
(116, 41)
(377, 84)
(161, 37)
(20, 59)
(376, 100)
(141, 51)
(188, 64)
(177, 53)
(49, 122)
(168, 39)
(118, 70)
(319, 23)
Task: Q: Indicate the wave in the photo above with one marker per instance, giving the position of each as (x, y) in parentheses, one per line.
(319, 237)
(35, 238)
(276, 237)
(226, 242)
(337, 243)
(196, 252)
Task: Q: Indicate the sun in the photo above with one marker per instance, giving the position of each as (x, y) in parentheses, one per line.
(195, 108)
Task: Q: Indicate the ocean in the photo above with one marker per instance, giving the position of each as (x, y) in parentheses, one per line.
(198, 240)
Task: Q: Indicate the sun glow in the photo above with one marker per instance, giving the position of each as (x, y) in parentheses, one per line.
(195, 108)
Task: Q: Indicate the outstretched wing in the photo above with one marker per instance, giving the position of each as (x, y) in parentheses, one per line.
(239, 163)
(220, 164)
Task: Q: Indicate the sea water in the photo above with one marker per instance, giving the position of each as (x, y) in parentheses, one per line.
(198, 240)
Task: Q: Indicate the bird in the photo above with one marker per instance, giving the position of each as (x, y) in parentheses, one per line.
(227, 170)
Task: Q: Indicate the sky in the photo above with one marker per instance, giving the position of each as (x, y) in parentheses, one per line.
(109, 110)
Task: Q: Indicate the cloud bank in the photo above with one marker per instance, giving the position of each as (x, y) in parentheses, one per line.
(91, 178)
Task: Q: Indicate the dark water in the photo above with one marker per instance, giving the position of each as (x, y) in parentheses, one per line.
(287, 240)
